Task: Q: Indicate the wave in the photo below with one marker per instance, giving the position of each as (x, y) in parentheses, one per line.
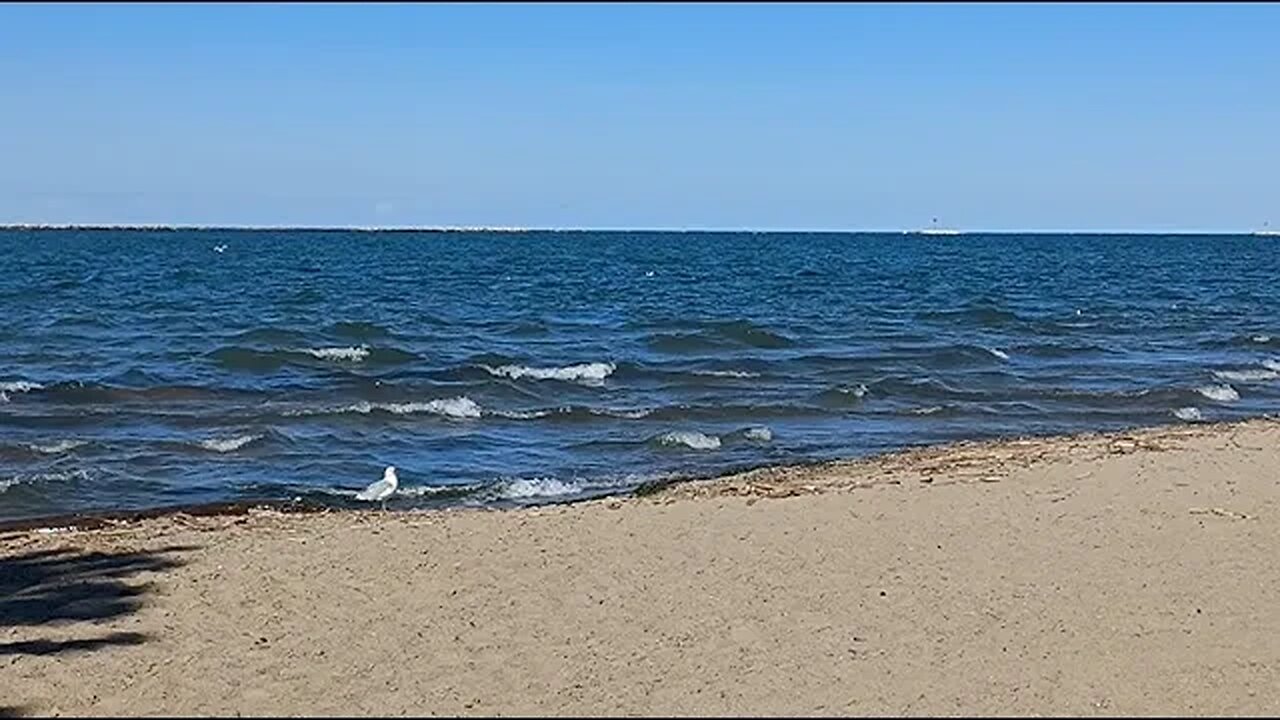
(1219, 393)
(58, 447)
(1188, 414)
(688, 438)
(1246, 376)
(436, 490)
(273, 336)
(568, 412)
(758, 434)
(980, 314)
(460, 407)
(43, 478)
(19, 386)
(742, 374)
(585, 373)
(242, 358)
(1060, 350)
(675, 343)
(79, 391)
(524, 489)
(747, 333)
(358, 330)
(844, 396)
(998, 353)
(350, 354)
(231, 444)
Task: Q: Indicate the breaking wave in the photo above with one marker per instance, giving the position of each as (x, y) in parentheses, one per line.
(690, 439)
(1219, 393)
(231, 444)
(586, 373)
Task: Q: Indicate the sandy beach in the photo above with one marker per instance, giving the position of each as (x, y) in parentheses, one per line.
(1129, 574)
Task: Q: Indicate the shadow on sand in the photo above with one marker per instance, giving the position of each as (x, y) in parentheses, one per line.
(59, 587)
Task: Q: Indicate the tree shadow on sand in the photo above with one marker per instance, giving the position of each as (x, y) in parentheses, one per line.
(59, 587)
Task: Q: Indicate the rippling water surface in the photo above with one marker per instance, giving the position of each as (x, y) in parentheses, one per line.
(147, 368)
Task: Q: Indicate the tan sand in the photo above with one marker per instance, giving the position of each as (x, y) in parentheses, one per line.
(1115, 575)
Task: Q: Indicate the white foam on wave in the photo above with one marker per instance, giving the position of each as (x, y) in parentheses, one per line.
(857, 391)
(1219, 393)
(623, 414)
(19, 386)
(1260, 338)
(589, 373)
(38, 478)
(460, 407)
(429, 490)
(58, 447)
(231, 444)
(727, 373)
(997, 353)
(758, 434)
(1188, 414)
(457, 407)
(929, 410)
(522, 488)
(1271, 365)
(1251, 375)
(348, 354)
(522, 414)
(691, 439)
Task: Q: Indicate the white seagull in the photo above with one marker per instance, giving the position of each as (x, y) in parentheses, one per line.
(382, 489)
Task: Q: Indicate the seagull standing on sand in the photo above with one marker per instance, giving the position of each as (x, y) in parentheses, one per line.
(382, 489)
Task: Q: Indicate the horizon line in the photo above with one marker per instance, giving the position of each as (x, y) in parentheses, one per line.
(934, 231)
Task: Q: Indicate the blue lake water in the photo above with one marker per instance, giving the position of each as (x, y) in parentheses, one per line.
(147, 368)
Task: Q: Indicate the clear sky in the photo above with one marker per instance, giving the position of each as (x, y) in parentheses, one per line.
(840, 116)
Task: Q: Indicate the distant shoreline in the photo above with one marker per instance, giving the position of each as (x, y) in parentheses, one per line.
(147, 227)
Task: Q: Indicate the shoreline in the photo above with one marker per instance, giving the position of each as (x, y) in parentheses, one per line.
(722, 482)
(1122, 573)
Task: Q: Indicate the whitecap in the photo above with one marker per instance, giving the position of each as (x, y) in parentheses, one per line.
(349, 354)
(690, 439)
(623, 414)
(231, 444)
(1271, 365)
(1252, 375)
(19, 386)
(758, 434)
(459, 407)
(37, 478)
(727, 373)
(1219, 393)
(1189, 414)
(59, 447)
(856, 391)
(997, 353)
(929, 410)
(587, 373)
(521, 414)
(522, 488)
(1260, 338)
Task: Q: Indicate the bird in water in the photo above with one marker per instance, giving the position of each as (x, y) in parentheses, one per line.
(382, 489)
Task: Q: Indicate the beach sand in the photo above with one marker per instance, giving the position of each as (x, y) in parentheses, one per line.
(1123, 574)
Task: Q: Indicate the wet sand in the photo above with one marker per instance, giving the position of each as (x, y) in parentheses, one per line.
(1130, 574)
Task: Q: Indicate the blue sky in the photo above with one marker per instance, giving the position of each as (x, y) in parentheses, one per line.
(1001, 117)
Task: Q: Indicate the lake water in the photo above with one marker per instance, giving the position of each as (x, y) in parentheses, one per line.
(150, 368)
